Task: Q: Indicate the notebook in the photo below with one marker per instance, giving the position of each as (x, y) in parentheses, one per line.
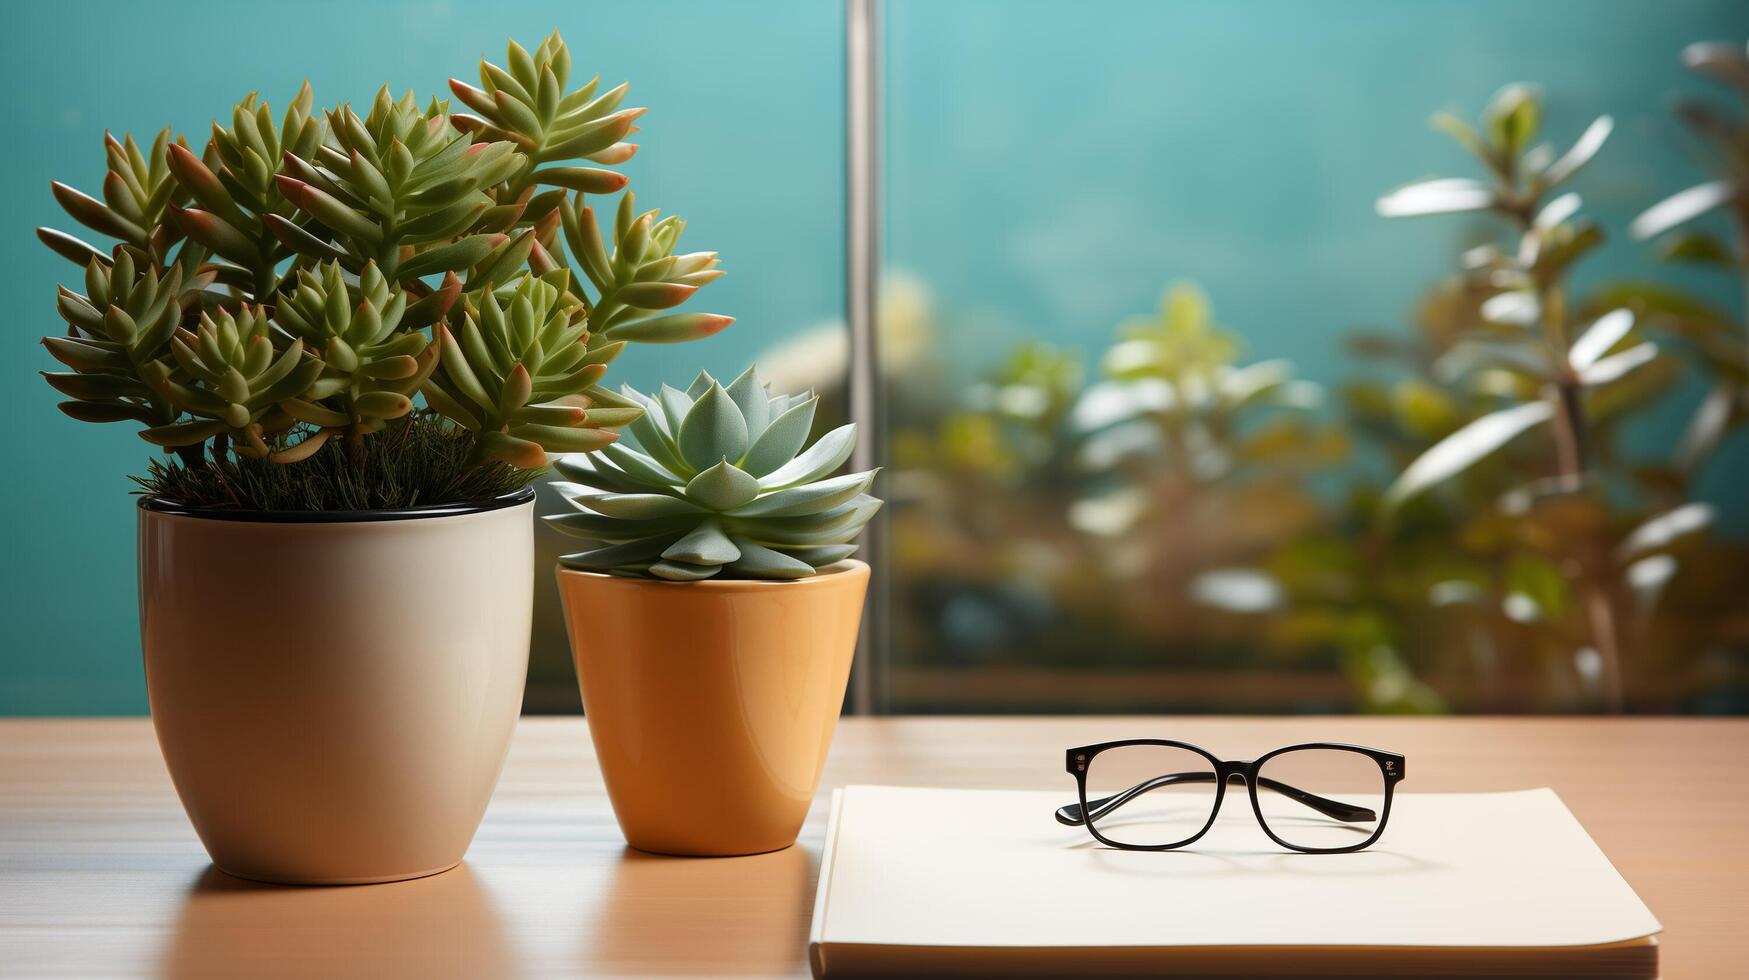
(979, 882)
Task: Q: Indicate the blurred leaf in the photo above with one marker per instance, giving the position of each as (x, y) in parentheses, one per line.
(1464, 448)
(1616, 366)
(1582, 151)
(1482, 256)
(1463, 133)
(1238, 590)
(1603, 334)
(1706, 426)
(1110, 402)
(1367, 400)
(1536, 160)
(1289, 442)
(1697, 247)
(1241, 386)
(1535, 586)
(1717, 59)
(1471, 356)
(973, 442)
(1683, 206)
(1423, 409)
(1658, 300)
(1181, 343)
(1513, 118)
(1456, 591)
(1518, 307)
(1664, 531)
(1108, 515)
(1557, 211)
(1441, 196)
(1722, 131)
(1561, 246)
(1633, 390)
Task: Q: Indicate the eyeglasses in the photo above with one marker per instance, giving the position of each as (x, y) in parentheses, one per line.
(1153, 795)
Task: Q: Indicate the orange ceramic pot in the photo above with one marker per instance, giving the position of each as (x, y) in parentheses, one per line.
(335, 693)
(712, 703)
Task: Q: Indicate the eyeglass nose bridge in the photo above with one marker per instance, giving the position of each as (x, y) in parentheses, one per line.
(1226, 772)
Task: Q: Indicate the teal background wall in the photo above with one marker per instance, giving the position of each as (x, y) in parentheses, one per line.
(744, 138)
(1051, 165)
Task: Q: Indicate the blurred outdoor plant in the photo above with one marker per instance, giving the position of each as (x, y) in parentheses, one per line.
(1042, 521)
(291, 288)
(1524, 554)
(990, 565)
(1520, 553)
(1193, 463)
(1678, 224)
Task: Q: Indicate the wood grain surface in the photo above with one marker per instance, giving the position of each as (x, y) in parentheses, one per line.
(101, 875)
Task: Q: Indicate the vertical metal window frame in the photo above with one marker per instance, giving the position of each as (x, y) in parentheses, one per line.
(862, 119)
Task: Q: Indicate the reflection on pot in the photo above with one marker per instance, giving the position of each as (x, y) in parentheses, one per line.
(436, 927)
(675, 916)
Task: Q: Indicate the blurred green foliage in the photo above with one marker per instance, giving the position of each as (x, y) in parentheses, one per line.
(1193, 510)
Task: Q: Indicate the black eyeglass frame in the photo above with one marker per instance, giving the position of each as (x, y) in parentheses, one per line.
(1078, 760)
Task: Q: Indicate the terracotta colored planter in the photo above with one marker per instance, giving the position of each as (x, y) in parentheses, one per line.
(335, 693)
(712, 703)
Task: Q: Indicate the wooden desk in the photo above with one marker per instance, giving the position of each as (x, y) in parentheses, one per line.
(101, 875)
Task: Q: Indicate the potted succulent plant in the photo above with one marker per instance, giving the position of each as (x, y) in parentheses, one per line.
(358, 337)
(715, 615)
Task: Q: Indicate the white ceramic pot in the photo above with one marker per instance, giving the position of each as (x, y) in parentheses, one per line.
(334, 693)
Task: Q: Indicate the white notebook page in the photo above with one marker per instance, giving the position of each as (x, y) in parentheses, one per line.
(941, 867)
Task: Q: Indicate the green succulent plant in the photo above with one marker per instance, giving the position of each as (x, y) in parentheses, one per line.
(137, 191)
(237, 212)
(237, 382)
(120, 325)
(298, 281)
(722, 488)
(528, 105)
(370, 368)
(517, 369)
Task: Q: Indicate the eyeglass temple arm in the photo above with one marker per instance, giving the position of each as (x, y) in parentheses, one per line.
(1072, 816)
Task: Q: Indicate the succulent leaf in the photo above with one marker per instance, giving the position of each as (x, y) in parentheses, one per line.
(827, 454)
(723, 487)
(809, 498)
(781, 439)
(706, 544)
(713, 431)
(749, 396)
(695, 501)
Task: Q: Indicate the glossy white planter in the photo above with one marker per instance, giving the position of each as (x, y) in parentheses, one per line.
(335, 693)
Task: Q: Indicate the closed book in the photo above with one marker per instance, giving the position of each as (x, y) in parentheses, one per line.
(925, 882)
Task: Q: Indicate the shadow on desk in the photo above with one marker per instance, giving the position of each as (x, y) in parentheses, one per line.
(440, 926)
(704, 916)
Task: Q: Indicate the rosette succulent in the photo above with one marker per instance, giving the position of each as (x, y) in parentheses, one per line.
(721, 486)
